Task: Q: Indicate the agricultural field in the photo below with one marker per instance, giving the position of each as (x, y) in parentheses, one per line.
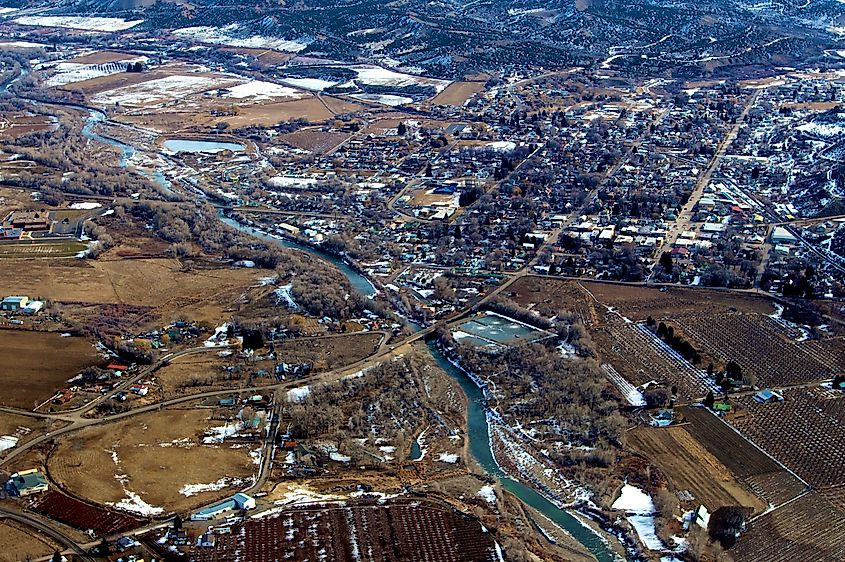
(763, 348)
(742, 458)
(812, 417)
(80, 515)
(689, 466)
(809, 528)
(457, 93)
(422, 532)
(153, 463)
(38, 249)
(13, 125)
(22, 543)
(315, 141)
(642, 357)
(37, 364)
(158, 283)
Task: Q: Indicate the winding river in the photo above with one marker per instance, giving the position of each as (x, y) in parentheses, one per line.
(477, 428)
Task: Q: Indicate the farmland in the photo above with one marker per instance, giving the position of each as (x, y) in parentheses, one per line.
(689, 466)
(143, 465)
(763, 474)
(812, 417)
(158, 283)
(21, 543)
(807, 529)
(761, 347)
(421, 532)
(81, 515)
(36, 364)
(457, 93)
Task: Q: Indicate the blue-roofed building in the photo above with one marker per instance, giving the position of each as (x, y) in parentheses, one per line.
(26, 483)
(767, 396)
(237, 502)
(14, 304)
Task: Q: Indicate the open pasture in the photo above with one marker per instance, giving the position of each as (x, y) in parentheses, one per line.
(37, 364)
(457, 93)
(22, 543)
(146, 462)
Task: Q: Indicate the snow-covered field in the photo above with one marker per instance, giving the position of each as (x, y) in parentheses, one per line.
(21, 45)
(823, 130)
(189, 490)
(85, 206)
(488, 494)
(258, 90)
(69, 72)
(7, 442)
(378, 76)
(298, 394)
(384, 99)
(229, 35)
(77, 22)
(160, 91)
(640, 509)
(314, 84)
(450, 458)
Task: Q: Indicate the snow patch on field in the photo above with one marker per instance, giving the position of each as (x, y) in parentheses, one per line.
(824, 130)
(259, 90)
(85, 206)
(450, 458)
(159, 91)
(378, 76)
(134, 504)
(488, 494)
(69, 72)
(21, 45)
(640, 509)
(314, 84)
(218, 434)
(189, 490)
(228, 35)
(7, 442)
(74, 22)
(298, 394)
(283, 295)
(384, 99)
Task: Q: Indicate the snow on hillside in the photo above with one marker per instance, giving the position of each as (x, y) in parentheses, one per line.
(228, 35)
(78, 22)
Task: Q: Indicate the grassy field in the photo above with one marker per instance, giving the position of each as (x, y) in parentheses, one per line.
(326, 353)
(159, 283)
(36, 364)
(457, 93)
(51, 249)
(20, 543)
(159, 453)
(102, 57)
